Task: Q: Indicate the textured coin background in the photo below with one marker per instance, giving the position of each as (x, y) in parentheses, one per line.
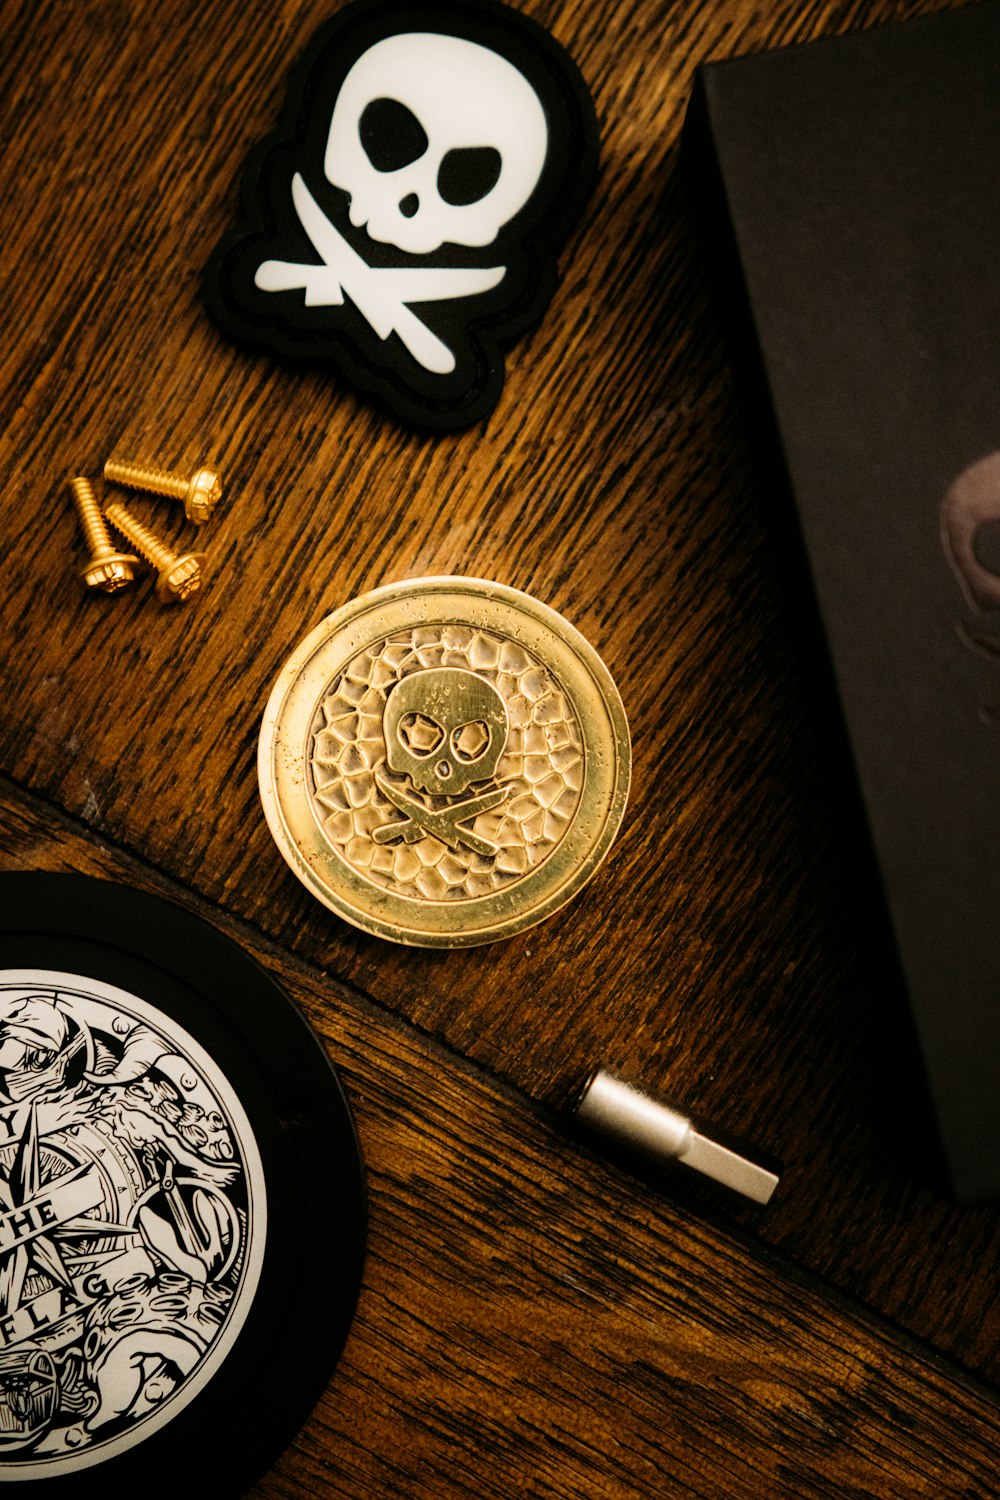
(542, 765)
(326, 784)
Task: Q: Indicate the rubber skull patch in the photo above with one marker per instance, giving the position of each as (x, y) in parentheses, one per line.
(402, 223)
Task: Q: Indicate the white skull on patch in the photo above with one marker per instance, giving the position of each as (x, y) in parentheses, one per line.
(436, 140)
(404, 220)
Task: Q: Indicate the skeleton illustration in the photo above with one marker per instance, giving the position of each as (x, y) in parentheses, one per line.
(124, 1214)
(445, 730)
(436, 140)
(971, 503)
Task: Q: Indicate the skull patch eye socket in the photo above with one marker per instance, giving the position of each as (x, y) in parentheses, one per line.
(470, 741)
(468, 173)
(419, 735)
(391, 135)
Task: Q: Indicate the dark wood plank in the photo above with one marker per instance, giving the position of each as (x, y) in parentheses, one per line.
(534, 1321)
(612, 482)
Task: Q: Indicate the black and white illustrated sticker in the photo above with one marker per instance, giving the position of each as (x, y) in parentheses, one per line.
(403, 221)
(132, 1221)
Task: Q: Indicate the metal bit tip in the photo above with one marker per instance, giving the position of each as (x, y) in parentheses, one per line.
(615, 1109)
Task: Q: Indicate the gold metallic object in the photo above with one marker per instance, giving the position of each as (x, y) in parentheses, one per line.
(444, 762)
(201, 492)
(108, 569)
(179, 577)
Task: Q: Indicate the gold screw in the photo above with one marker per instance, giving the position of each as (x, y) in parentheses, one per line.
(200, 493)
(107, 569)
(179, 577)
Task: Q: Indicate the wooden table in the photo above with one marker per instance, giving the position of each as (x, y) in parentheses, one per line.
(535, 1319)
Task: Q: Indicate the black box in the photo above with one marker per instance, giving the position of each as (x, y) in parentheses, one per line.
(851, 190)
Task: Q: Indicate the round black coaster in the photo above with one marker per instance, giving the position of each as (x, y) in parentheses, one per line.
(181, 1201)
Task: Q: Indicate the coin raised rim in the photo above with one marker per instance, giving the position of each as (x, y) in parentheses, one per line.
(286, 731)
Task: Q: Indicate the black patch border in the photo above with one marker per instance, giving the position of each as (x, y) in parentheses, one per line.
(528, 245)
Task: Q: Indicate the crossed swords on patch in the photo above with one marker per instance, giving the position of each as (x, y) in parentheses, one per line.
(444, 823)
(380, 293)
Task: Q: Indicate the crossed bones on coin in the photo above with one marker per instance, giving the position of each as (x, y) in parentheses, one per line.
(444, 823)
(380, 293)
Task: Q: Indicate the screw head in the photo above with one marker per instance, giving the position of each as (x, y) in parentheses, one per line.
(111, 573)
(184, 577)
(203, 495)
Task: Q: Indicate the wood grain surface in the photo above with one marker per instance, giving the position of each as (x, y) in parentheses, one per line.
(534, 1322)
(720, 956)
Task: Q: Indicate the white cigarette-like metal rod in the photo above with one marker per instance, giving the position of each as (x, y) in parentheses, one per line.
(614, 1108)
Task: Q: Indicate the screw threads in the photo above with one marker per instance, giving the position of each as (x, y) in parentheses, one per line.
(138, 477)
(91, 520)
(107, 569)
(179, 577)
(145, 542)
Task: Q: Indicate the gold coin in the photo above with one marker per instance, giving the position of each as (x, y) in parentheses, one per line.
(444, 762)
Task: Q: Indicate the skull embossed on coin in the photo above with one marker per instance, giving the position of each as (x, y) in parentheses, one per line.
(444, 762)
(445, 728)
